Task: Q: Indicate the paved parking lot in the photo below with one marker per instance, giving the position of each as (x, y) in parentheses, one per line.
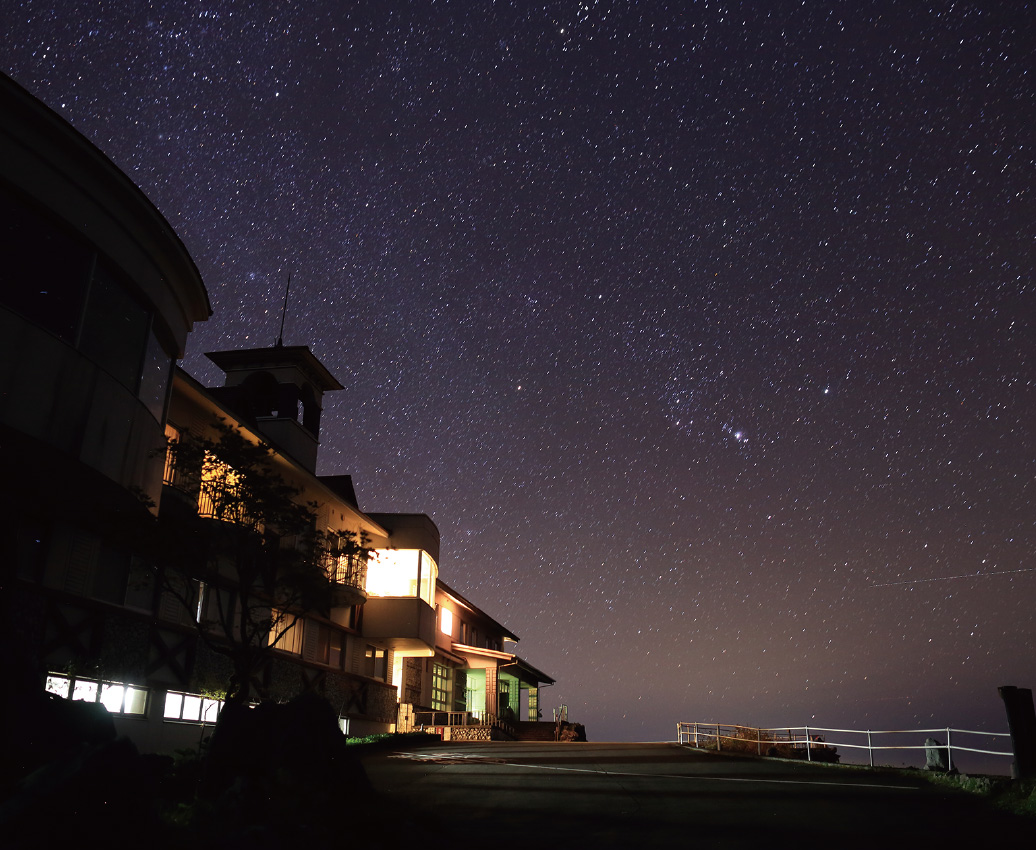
(503, 795)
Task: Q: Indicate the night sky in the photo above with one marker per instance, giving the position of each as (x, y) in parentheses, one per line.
(704, 331)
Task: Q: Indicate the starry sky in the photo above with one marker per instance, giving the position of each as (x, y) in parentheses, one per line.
(703, 330)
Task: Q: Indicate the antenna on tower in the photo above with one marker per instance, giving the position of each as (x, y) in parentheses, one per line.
(284, 310)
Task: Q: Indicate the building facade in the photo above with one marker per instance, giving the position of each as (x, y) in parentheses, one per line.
(97, 297)
(96, 302)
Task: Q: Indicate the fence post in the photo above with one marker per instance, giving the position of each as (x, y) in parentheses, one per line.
(949, 752)
(870, 749)
(696, 733)
(809, 752)
(718, 748)
(759, 738)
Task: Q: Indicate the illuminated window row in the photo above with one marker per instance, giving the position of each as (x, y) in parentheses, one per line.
(130, 700)
(117, 697)
(192, 708)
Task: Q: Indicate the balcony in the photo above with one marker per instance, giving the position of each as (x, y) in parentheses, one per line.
(348, 577)
(400, 623)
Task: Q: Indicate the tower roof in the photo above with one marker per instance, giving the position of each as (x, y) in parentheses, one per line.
(278, 356)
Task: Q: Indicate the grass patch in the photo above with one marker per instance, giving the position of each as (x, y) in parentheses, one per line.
(1017, 796)
(388, 740)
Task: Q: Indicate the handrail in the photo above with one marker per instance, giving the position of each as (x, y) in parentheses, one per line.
(808, 737)
(424, 719)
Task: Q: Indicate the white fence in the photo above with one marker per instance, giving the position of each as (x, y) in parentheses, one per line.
(812, 738)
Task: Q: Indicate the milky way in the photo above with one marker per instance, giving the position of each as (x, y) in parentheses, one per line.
(703, 331)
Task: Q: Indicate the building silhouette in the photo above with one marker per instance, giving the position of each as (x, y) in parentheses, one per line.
(97, 298)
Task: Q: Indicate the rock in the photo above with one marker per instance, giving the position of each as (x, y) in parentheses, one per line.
(936, 756)
(280, 764)
(572, 732)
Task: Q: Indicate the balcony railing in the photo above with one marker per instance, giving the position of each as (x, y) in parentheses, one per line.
(433, 719)
(348, 577)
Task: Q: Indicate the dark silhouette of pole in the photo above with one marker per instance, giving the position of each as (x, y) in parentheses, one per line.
(1021, 719)
(284, 311)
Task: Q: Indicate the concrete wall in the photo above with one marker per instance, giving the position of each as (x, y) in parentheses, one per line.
(408, 621)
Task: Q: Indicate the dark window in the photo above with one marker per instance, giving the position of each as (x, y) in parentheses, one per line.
(260, 390)
(154, 381)
(337, 644)
(43, 268)
(29, 547)
(49, 274)
(317, 642)
(377, 663)
(460, 685)
(111, 577)
(115, 329)
(310, 410)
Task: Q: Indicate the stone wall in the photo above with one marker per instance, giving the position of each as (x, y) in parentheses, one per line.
(471, 733)
(381, 703)
(413, 668)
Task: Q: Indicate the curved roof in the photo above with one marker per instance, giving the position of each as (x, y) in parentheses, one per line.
(48, 160)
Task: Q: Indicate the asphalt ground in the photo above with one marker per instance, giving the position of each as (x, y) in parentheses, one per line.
(598, 795)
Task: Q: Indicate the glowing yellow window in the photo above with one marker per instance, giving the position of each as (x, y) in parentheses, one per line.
(402, 572)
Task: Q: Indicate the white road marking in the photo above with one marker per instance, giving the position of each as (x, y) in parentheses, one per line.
(715, 778)
(475, 757)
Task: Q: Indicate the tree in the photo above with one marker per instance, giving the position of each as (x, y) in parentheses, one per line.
(242, 552)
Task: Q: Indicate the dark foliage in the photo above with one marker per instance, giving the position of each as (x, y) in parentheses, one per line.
(242, 552)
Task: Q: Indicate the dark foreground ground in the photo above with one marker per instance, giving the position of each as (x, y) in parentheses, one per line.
(511, 795)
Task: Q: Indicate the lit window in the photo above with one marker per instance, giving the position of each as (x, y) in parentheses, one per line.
(193, 708)
(123, 699)
(84, 690)
(210, 709)
(58, 685)
(172, 435)
(219, 496)
(441, 687)
(286, 632)
(173, 706)
(402, 572)
(429, 573)
(446, 621)
(117, 697)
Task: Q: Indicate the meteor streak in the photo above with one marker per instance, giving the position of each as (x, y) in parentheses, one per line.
(953, 578)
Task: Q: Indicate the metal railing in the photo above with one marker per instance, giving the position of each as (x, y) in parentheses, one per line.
(813, 739)
(348, 570)
(423, 719)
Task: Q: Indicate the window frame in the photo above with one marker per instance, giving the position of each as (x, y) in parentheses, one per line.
(205, 705)
(92, 689)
